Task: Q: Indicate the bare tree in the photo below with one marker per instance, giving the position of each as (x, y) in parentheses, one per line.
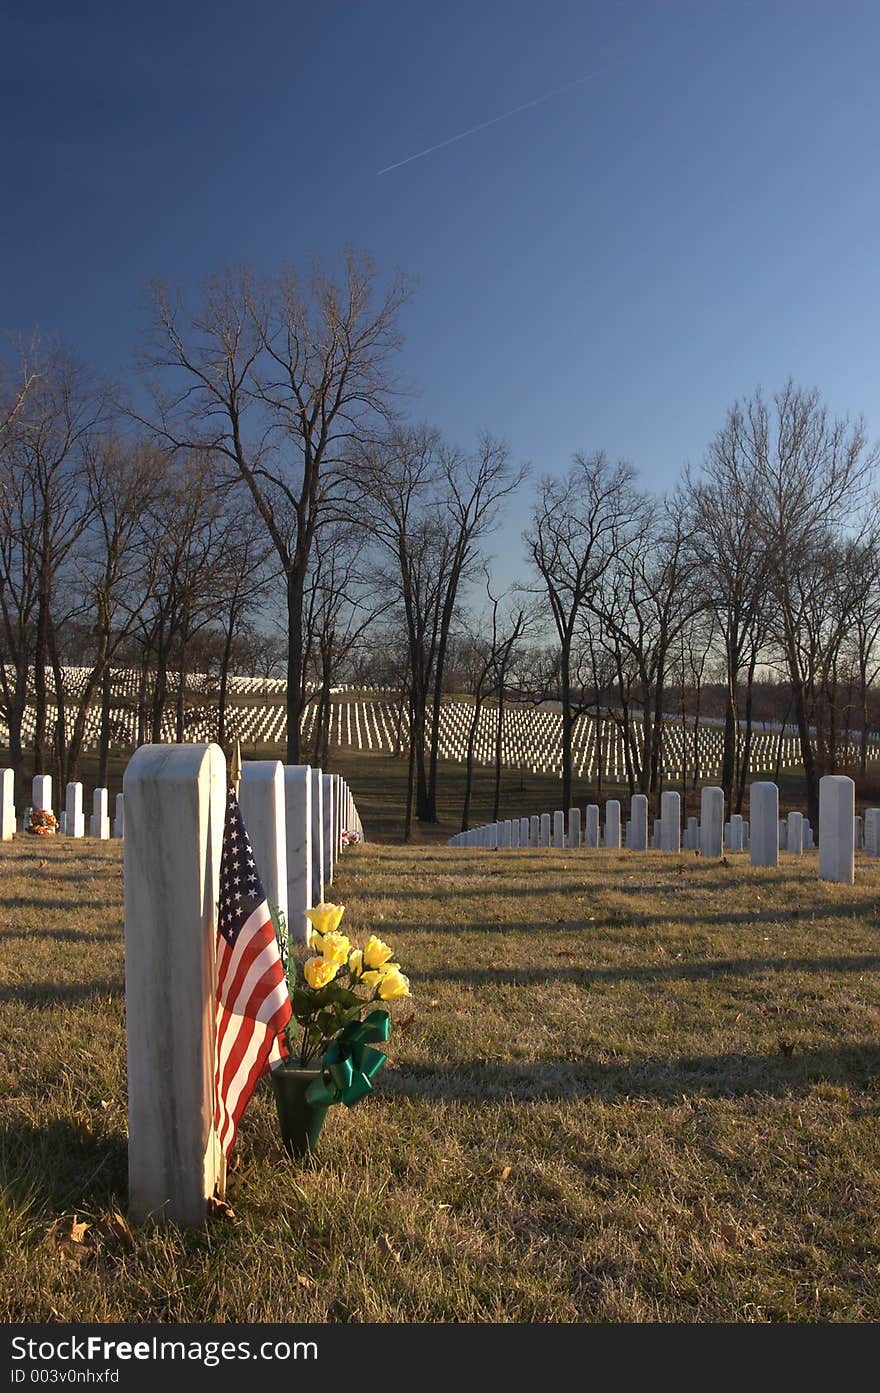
(579, 523)
(282, 380)
(812, 472)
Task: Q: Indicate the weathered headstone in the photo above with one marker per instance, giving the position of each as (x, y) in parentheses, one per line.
(298, 824)
(712, 821)
(119, 819)
(872, 832)
(524, 831)
(764, 824)
(559, 829)
(545, 829)
(837, 808)
(736, 832)
(574, 826)
(535, 831)
(175, 799)
(591, 827)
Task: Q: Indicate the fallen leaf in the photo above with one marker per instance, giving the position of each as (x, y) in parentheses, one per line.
(729, 1232)
(219, 1209)
(106, 1103)
(78, 1230)
(405, 1024)
(786, 1047)
(117, 1227)
(386, 1246)
(303, 1281)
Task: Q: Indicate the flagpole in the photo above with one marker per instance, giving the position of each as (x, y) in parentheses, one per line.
(234, 780)
(235, 766)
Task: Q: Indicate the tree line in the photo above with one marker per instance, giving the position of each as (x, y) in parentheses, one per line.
(262, 502)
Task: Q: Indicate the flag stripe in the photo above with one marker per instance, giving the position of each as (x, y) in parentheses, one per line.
(253, 1005)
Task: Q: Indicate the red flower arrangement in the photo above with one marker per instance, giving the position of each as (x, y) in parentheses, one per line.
(43, 822)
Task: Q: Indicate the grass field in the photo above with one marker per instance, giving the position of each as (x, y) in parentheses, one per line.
(635, 1089)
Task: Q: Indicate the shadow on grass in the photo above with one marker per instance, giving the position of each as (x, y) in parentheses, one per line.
(59, 1166)
(660, 972)
(44, 993)
(62, 935)
(669, 1080)
(43, 906)
(619, 920)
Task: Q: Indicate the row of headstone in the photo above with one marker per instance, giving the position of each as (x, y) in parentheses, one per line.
(296, 818)
(764, 835)
(71, 822)
(175, 798)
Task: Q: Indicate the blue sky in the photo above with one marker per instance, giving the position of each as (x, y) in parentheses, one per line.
(609, 268)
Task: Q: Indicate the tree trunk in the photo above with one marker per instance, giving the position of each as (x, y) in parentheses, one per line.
(224, 683)
(499, 743)
(40, 655)
(747, 742)
(104, 748)
(567, 724)
(407, 825)
(469, 763)
(295, 584)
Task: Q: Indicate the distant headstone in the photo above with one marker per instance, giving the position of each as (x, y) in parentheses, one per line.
(99, 823)
(612, 824)
(764, 824)
(712, 821)
(837, 808)
(41, 792)
(74, 822)
(670, 822)
(637, 836)
(795, 833)
(7, 805)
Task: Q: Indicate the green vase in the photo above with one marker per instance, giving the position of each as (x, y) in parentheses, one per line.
(299, 1120)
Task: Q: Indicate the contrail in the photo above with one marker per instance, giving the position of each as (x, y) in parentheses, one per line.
(536, 101)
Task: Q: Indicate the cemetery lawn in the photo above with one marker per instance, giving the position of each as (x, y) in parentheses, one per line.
(634, 1089)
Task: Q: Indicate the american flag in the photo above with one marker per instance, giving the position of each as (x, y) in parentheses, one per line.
(253, 1005)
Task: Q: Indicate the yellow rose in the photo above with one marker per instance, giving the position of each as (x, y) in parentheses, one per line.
(376, 953)
(325, 917)
(393, 985)
(372, 979)
(318, 972)
(356, 963)
(334, 948)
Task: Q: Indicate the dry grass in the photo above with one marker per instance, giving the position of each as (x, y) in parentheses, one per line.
(636, 1089)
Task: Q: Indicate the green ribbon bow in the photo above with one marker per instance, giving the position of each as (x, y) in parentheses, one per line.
(349, 1065)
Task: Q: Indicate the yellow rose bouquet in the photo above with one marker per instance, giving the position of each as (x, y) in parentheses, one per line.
(338, 998)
